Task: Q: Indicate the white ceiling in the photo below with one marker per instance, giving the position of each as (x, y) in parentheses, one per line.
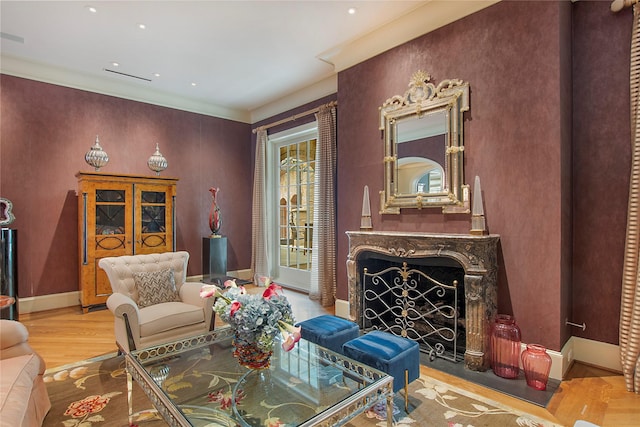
(248, 59)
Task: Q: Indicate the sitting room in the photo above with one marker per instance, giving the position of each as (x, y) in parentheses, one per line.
(248, 141)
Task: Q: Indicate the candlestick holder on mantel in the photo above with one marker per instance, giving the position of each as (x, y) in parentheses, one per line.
(478, 223)
(365, 220)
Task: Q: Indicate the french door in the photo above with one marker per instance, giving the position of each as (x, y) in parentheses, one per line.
(291, 179)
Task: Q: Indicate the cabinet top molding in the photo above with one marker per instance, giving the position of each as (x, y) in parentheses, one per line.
(124, 176)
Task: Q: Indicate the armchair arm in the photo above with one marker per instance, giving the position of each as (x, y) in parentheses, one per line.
(12, 333)
(126, 320)
(14, 341)
(190, 294)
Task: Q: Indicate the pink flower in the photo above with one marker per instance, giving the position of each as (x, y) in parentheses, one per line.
(271, 291)
(235, 306)
(207, 291)
(291, 335)
(231, 283)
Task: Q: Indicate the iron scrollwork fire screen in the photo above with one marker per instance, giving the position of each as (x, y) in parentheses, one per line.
(409, 303)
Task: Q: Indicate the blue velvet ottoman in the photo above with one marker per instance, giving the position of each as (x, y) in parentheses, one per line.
(329, 331)
(393, 355)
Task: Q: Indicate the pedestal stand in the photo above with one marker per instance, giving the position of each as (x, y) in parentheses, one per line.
(9, 271)
(214, 258)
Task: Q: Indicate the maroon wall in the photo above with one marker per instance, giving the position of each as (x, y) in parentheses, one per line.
(513, 54)
(548, 134)
(47, 129)
(601, 164)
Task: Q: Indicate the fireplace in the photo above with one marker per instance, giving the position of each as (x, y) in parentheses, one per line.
(438, 289)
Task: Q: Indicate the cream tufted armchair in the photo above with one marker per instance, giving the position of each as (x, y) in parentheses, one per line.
(146, 310)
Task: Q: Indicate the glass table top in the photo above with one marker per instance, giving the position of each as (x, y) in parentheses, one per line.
(198, 382)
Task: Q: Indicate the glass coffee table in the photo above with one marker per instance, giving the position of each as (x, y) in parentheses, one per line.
(198, 382)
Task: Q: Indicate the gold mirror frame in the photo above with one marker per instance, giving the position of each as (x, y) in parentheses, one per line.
(449, 99)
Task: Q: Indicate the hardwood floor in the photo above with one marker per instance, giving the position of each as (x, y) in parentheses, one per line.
(588, 393)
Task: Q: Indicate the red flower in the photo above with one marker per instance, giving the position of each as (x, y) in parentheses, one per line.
(235, 306)
(272, 290)
(88, 405)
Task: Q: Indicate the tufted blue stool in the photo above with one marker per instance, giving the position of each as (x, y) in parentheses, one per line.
(393, 355)
(329, 331)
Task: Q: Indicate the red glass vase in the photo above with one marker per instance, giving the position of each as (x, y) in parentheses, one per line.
(536, 364)
(505, 347)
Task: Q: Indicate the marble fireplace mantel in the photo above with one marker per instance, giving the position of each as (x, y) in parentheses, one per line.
(477, 255)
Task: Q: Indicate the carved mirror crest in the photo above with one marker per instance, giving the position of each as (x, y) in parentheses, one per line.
(424, 147)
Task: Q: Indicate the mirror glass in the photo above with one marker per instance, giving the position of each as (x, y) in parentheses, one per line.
(424, 147)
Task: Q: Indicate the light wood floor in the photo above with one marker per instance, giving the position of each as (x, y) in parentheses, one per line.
(67, 335)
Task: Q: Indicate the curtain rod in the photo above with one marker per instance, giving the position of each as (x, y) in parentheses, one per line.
(618, 5)
(295, 116)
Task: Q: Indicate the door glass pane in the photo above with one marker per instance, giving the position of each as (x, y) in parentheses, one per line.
(297, 162)
(153, 219)
(153, 197)
(110, 212)
(109, 196)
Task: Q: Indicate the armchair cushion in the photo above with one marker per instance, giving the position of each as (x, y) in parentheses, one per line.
(169, 315)
(155, 287)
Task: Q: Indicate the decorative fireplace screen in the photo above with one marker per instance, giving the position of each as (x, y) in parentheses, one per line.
(410, 303)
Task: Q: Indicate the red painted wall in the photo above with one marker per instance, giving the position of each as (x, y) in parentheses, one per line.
(46, 131)
(601, 165)
(548, 134)
(518, 139)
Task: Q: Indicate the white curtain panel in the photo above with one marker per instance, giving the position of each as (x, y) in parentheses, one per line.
(323, 259)
(630, 304)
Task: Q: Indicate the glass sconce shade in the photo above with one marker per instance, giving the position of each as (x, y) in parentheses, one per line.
(96, 156)
(157, 162)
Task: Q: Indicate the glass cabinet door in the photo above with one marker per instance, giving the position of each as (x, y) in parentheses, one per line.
(110, 221)
(153, 217)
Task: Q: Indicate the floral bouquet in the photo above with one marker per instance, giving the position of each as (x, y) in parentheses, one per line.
(256, 319)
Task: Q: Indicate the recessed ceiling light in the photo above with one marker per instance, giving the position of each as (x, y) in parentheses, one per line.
(91, 9)
(115, 64)
(156, 74)
(352, 11)
(142, 26)
(193, 84)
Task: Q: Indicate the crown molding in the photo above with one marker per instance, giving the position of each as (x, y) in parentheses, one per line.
(18, 67)
(318, 90)
(422, 20)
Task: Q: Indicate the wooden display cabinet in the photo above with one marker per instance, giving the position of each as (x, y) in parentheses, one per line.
(120, 215)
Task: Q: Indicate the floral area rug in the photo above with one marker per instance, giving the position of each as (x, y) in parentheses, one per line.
(93, 393)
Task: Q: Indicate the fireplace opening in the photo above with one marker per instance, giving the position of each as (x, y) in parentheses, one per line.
(422, 299)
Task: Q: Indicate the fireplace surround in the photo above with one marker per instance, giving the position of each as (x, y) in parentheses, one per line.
(477, 255)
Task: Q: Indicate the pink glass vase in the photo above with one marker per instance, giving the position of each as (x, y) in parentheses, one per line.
(505, 347)
(536, 364)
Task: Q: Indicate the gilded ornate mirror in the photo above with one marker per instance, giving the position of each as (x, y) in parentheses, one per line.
(423, 138)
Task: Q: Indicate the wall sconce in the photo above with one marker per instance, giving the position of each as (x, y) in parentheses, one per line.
(96, 156)
(157, 162)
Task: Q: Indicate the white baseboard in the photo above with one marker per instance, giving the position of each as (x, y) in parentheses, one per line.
(70, 299)
(592, 352)
(342, 309)
(48, 302)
